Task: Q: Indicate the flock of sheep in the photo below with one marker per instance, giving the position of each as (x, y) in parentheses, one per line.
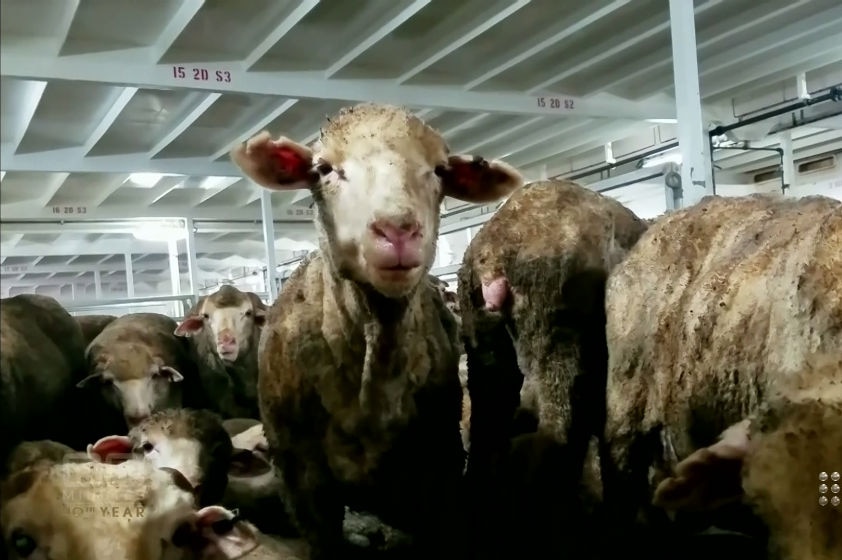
(670, 388)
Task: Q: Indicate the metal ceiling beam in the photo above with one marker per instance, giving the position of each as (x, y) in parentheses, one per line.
(73, 160)
(453, 33)
(579, 20)
(125, 69)
(28, 211)
(720, 31)
(121, 99)
(256, 122)
(127, 227)
(191, 113)
(51, 188)
(812, 54)
(560, 162)
(377, 30)
(175, 27)
(554, 148)
(539, 137)
(62, 30)
(28, 281)
(810, 29)
(623, 42)
(278, 32)
(29, 98)
(110, 247)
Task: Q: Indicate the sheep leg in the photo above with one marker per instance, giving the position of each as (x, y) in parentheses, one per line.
(314, 505)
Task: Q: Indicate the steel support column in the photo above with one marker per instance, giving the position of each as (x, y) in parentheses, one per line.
(175, 277)
(269, 240)
(97, 284)
(788, 160)
(692, 134)
(192, 263)
(129, 275)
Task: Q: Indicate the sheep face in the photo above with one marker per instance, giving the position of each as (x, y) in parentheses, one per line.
(377, 176)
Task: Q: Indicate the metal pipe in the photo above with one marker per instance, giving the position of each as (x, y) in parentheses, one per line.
(834, 94)
(619, 162)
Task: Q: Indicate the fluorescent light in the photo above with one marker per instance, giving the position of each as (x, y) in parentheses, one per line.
(660, 159)
(215, 181)
(663, 121)
(148, 180)
(160, 231)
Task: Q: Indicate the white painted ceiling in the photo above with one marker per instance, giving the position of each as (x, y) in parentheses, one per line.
(94, 91)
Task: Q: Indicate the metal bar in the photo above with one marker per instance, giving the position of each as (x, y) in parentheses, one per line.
(269, 240)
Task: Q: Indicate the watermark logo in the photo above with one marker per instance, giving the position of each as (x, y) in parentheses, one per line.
(829, 489)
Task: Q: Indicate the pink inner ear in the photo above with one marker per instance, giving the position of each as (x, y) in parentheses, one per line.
(190, 325)
(211, 514)
(113, 449)
(290, 163)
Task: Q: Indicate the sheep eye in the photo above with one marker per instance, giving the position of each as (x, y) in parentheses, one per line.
(324, 168)
(440, 170)
(147, 447)
(223, 526)
(205, 315)
(23, 544)
(248, 313)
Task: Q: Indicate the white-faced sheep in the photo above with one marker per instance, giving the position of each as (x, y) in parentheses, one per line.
(137, 367)
(359, 386)
(224, 329)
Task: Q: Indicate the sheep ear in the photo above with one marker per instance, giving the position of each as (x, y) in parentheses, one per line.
(247, 463)
(275, 164)
(709, 477)
(190, 326)
(474, 179)
(110, 449)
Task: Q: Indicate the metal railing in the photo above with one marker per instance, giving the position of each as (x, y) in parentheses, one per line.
(174, 306)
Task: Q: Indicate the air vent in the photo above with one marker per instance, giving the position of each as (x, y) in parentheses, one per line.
(820, 164)
(768, 175)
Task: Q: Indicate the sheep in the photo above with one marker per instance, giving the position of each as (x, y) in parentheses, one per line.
(92, 325)
(190, 441)
(224, 330)
(41, 358)
(714, 305)
(531, 298)
(138, 366)
(130, 511)
(773, 459)
(358, 363)
(28, 453)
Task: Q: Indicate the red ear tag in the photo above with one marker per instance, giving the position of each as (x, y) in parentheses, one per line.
(290, 163)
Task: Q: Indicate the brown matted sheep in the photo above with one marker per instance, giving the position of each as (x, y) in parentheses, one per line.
(531, 295)
(92, 325)
(359, 387)
(137, 367)
(41, 358)
(781, 460)
(224, 329)
(712, 308)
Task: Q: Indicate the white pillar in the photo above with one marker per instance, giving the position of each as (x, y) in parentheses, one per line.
(175, 277)
(97, 285)
(788, 160)
(129, 275)
(269, 240)
(801, 86)
(73, 291)
(692, 134)
(192, 263)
